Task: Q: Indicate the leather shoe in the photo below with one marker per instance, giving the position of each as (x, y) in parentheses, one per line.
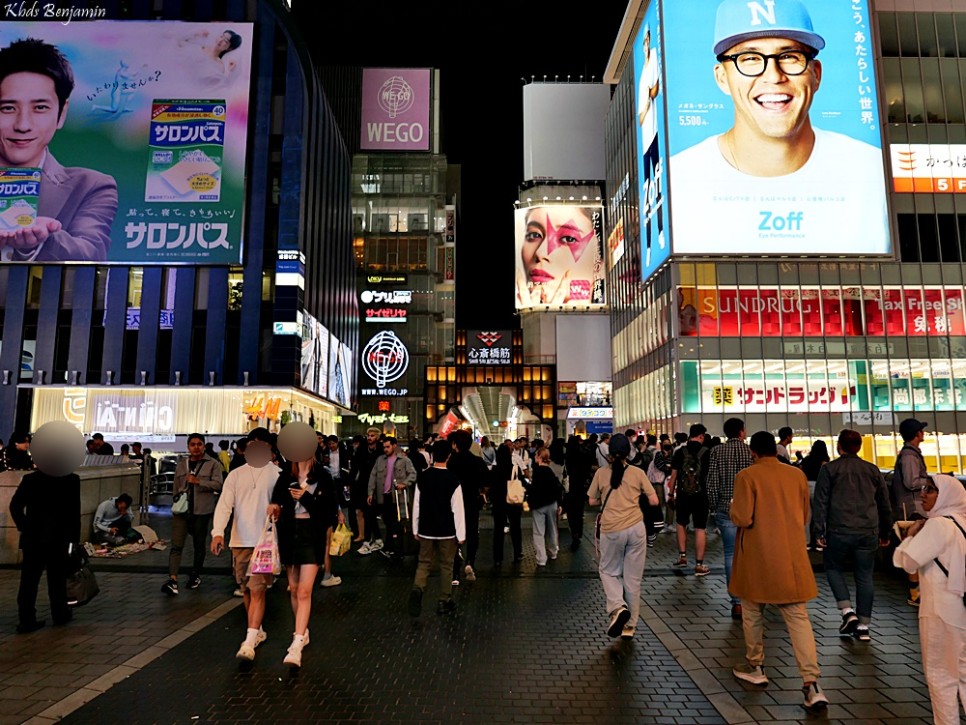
(736, 611)
(28, 627)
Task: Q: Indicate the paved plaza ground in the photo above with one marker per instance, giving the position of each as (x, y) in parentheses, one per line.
(524, 646)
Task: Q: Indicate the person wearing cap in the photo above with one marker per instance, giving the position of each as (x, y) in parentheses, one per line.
(623, 537)
(908, 478)
(650, 86)
(768, 66)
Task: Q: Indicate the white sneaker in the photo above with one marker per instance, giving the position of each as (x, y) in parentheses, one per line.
(470, 574)
(376, 545)
(246, 652)
(332, 581)
(305, 639)
(293, 657)
(455, 582)
(260, 637)
(238, 592)
(814, 697)
(366, 548)
(750, 673)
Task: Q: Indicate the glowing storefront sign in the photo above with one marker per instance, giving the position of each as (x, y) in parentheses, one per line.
(590, 413)
(821, 311)
(385, 359)
(929, 168)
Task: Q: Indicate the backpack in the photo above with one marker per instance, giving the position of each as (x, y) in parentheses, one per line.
(939, 563)
(689, 477)
(654, 474)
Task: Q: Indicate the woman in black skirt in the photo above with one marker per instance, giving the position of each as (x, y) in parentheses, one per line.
(306, 508)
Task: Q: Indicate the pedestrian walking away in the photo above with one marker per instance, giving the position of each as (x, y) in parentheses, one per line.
(623, 536)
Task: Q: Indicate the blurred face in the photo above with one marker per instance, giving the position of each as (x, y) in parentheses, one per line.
(773, 105)
(29, 117)
(558, 242)
(928, 496)
(258, 454)
(196, 448)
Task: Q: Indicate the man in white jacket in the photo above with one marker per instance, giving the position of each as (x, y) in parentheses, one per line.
(248, 492)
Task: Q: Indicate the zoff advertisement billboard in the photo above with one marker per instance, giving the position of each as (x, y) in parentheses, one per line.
(136, 132)
(559, 257)
(773, 128)
(651, 144)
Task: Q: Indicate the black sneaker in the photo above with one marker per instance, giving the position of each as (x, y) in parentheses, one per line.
(28, 627)
(862, 634)
(194, 581)
(850, 621)
(446, 607)
(415, 603)
(170, 588)
(651, 540)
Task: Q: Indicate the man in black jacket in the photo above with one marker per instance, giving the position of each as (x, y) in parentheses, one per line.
(852, 518)
(362, 464)
(438, 525)
(46, 510)
(471, 473)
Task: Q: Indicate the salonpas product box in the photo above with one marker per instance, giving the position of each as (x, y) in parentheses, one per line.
(19, 192)
(186, 147)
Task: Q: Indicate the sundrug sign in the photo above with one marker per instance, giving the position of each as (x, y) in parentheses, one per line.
(395, 109)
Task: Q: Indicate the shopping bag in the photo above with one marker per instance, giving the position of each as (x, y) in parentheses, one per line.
(341, 540)
(265, 558)
(515, 492)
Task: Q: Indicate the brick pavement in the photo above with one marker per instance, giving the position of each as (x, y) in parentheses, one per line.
(525, 646)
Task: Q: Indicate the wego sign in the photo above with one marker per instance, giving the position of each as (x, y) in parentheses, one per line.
(395, 109)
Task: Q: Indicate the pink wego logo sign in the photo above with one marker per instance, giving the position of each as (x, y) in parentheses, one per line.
(395, 109)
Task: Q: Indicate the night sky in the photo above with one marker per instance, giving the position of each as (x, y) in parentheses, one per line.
(482, 56)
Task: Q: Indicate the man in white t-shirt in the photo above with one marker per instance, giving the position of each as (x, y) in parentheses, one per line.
(773, 182)
(651, 191)
(247, 492)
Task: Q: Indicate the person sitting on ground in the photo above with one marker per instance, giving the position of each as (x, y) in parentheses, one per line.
(113, 522)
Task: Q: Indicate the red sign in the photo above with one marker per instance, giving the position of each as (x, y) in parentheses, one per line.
(820, 312)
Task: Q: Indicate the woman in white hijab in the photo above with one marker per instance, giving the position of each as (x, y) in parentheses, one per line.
(936, 548)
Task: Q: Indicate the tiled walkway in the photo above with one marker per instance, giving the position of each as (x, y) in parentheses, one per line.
(524, 646)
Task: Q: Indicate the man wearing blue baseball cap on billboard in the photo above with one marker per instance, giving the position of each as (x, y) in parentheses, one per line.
(767, 63)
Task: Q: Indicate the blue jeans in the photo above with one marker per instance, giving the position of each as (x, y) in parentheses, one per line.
(863, 548)
(729, 532)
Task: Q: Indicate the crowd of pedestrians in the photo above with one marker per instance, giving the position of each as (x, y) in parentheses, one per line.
(769, 505)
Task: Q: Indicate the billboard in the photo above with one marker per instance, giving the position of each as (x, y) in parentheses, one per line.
(563, 131)
(559, 257)
(928, 168)
(821, 312)
(315, 356)
(142, 156)
(340, 373)
(395, 109)
(385, 359)
(489, 347)
(779, 151)
(649, 123)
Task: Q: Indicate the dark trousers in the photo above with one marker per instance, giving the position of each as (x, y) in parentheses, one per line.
(653, 517)
(503, 515)
(35, 560)
(370, 513)
(472, 544)
(388, 510)
(862, 548)
(574, 506)
(196, 526)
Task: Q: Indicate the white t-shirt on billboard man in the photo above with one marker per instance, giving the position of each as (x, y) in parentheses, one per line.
(646, 112)
(772, 183)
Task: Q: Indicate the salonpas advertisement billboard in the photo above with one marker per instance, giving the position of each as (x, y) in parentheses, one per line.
(559, 257)
(123, 141)
(773, 128)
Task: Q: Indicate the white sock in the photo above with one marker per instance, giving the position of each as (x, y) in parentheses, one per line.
(250, 637)
(846, 610)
